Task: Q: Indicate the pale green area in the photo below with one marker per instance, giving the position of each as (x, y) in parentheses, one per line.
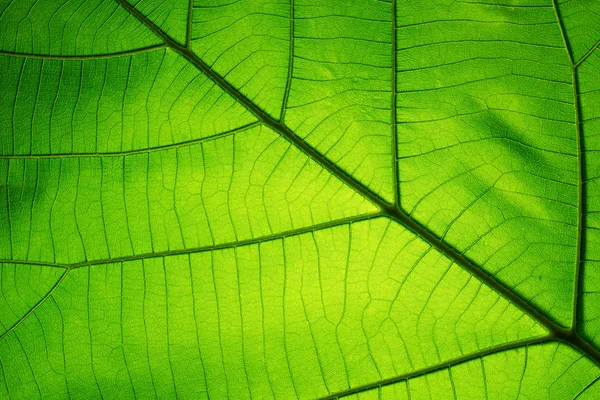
(247, 42)
(167, 231)
(21, 287)
(582, 21)
(110, 105)
(241, 186)
(340, 97)
(590, 101)
(548, 371)
(170, 15)
(301, 316)
(486, 142)
(70, 27)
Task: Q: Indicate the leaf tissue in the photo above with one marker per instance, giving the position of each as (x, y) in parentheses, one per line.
(374, 199)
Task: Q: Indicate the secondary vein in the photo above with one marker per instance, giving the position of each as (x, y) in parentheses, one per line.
(39, 303)
(85, 57)
(580, 247)
(288, 82)
(586, 55)
(133, 152)
(444, 365)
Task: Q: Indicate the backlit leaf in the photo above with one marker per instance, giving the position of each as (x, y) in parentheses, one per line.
(299, 199)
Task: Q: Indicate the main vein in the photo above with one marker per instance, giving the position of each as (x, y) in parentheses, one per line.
(391, 210)
(126, 53)
(288, 82)
(580, 204)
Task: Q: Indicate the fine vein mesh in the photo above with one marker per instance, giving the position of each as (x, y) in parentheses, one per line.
(110, 105)
(170, 15)
(487, 141)
(190, 195)
(70, 27)
(298, 317)
(248, 43)
(241, 186)
(546, 371)
(340, 94)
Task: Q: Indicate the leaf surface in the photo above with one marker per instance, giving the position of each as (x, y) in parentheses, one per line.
(300, 199)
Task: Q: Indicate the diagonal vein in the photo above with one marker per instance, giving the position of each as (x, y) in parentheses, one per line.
(578, 344)
(138, 151)
(586, 55)
(35, 307)
(191, 250)
(390, 210)
(444, 365)
(288, 82)
(586, 387)
(563, 31)
(84, 57)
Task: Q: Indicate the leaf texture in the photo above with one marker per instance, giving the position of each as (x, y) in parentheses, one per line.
(299, 199)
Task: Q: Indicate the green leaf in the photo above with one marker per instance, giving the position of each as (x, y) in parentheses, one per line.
(300, 199)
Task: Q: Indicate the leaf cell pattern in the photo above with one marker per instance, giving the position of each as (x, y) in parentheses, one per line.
(299, 199)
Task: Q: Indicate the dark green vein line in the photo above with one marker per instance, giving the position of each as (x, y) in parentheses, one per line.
(39, 303)
(586, 387)
(386, 208)
(590, 51)
(479, 273)
(563, 32)
(575, 341)
(86, 57)
(581, 173)
(288, 82)
(188, 33)
(581, 203)
(38, 263)
(228, 245)
(395, 176)
(140, 151)
(444, 365)
(169, 41)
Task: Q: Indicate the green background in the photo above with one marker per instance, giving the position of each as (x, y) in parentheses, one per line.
(299, 199)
